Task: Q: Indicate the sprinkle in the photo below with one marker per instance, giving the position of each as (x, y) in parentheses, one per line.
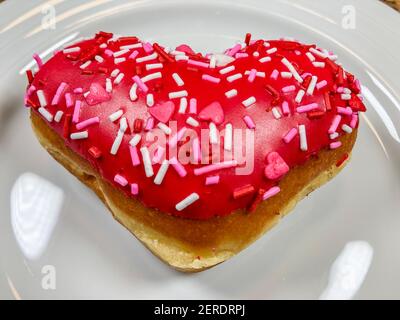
(227, 70)
(150, 100)
(116, 115)
(134, 156)
(178, 79)
(154, 66)
(120, 53)
(252, 75)
(347, 128)
(161, 172)
(109, 85)
(114, 73)
(78, 90)
(167, 130)
(285, 108)
(265, 59)
(120, 180)
(234, 77)
(135, 189)
(275, 74)
(149, 124)
(58, 116)
(148, 168)
(181, 57)
(85, 65)
(71, 50)
(335, 124)
(276, 113)
(209, 78)
(187, 201)
(319, 64)
(193, 106)
(290, 135)
(140, 83)
(179, 168)
(94, 152)
(77, 110)
(288, 89)
(345, 96)
(192, 122)
(119, 60)
(300, 96)
(103, 45)
(249, 122)
(46, 114)
(292, 70)
(248, 102)
(286, 75)
(119, 78)
(131, 46)
(334, 135)
(243, 191)
(256, 54)
(197, 63)
(86, 123)
(307, 108)
(216, 166)
(79, 135)
(135, 140)
(310, 56)
(311, 87)
(147, 58)
(178, 94)
(318, 53)
(123, 125)
(241, 55)
(322, 84)
(212, 180)
(354, 121)
(213, 62)
(303, 138)
(234, 50)
(228, 137)
(42, 98)
(231, 93)
(335, 145)
(133, 92)
(133, 55)
(68, 100)
(99, 59)
(59, 91)
(117, 143)
(213, 133)
(271, 192)
(345, 111)
(272, 50)
(38, 60)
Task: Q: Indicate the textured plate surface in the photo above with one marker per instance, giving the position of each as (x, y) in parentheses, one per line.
(58, 241)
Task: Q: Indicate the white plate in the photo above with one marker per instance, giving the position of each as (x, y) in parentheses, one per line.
(354, 220)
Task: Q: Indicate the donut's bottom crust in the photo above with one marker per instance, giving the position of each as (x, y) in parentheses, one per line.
(192, 245)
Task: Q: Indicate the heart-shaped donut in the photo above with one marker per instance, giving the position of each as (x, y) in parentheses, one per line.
(191, 135)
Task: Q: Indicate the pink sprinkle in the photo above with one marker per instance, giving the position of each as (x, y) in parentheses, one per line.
(252, 75)
(134, 54)
(241, 55)
(193, 106)
(77, 110)
(198, 63)
(148, 47)
(78, 90)
(306, 74)
(149, 124)
(212, 180)
(140, 83)
(275, 74)
(285, 108)
(288, 89)
(214, 167)
(271, 192)
(335, 124)
(354, 121)
(173, 141)
(234, 50)
(345, 111)
(307, 108)
(196, 150)
(134, 189)
(108, 52)
(120, 180)
(322, 84)
(340, 90)
(211, 78)
(87, 123)
(134, 156)
(249, 122)
(59, 91)
(180, 169)
(290, 135)
(68, 100)
(38, 60)
(335, 145)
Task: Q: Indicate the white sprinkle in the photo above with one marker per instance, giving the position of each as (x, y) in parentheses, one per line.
(231, 93)
(161, 172)
(318, 53)
(192, 122)
(58, 116)
(234, 77)
(256, 54)
(248, 102)
(267, 44)
(319, 64)
(119, 60)
(148, 168)
(347, 128)
(177, 52)
(79, 135)
(187, 201)
(120, 53)
(131, 46)
(213, 62)
(152, 76)
(303, 138)
(276, 113)
(227, 70)
(228, 137)
(346, 91)
(311, 87)
(109, 85)
(272, 50)
(181, 57)
(123, 125)
(178, 79)
(135, 140)
(310, 56)
(71, 50)
(114, 73)
(213, 133)
(150, 100)
(334, 135)
(346, 96)
(85, 65)
(46, 114)
(167, 130)
(292, 69)
(86, 94)
(265, 59)
(133, 92)
(119, 78)
(116, 115)
(147, 58)
(300, 96)
(286, 75)
(99, 59)
(42, 98)
(103, 45)
(152, 66)
(183, 105)
(178, 94)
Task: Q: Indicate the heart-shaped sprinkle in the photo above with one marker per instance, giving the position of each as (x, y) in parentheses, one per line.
(213, 112)
(163, 112)
(276, 167)
(97, 94)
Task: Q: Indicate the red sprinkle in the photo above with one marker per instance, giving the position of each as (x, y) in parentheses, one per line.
(257, 200)
(248, 39)
(67, 125)
(243, 191)
(138, 125)
(29, 75)
(162, 53)
(328, 103)
(315, 114)
(95, 152)
(342, 160)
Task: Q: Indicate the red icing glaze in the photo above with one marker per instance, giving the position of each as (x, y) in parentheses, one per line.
(233, 191)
